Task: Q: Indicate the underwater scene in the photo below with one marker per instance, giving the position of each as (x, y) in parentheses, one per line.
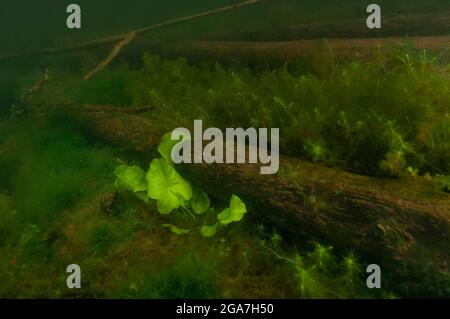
(209, 149)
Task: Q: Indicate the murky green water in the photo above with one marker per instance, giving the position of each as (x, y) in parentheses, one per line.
(77, 183)
(25, 25)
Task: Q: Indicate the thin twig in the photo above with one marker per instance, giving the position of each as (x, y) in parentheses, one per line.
(130, 36)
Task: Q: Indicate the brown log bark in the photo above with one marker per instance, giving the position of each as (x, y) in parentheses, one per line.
(392, 222)
(290, 51)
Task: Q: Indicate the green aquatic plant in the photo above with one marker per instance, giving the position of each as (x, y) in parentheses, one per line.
(437, 148)
(171, 191)
(276, 239)
(352, 270)
(234, 213)
(316, 151)
(309, 287)
(209, 231)
(317, 274)
(200, 201)
(131, 178)
(50, 168)
(322, 256)
(174, 229)
(394, 162)
(35, 244)
(130, 223)
(101, 237)
(189, 277)
(363, 116)
(165, 185)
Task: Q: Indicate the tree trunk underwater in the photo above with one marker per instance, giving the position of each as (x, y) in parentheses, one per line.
(397, 223)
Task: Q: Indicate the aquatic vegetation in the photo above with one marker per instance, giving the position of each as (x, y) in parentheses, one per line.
(172, 192)
(189, 278)
(321, 256)
(131, 177)
(375, 117)
(320, 273)
(166, 186)
(138, 229)
(101, 238)
(276, 239)
(200, 201)
(316, 151)
(51, 170)
(126, 250)
(352, 270)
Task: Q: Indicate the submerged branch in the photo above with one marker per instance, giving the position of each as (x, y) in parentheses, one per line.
(115, 51)
(37, 87)
(130, 36)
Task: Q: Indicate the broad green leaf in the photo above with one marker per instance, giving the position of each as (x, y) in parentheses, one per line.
(176, 230)
(208, 231)
(131, 178)
(167, 186)
(200, 201)
(225, 216)
(234, 213)
(237, 206)
(168, 202)
(166, 145)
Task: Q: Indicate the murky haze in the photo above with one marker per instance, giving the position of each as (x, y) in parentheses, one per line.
(26, 25)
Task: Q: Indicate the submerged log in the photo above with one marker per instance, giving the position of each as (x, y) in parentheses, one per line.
(290, 51)
(397, 223)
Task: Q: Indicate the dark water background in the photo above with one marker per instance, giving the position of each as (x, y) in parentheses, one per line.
(27, 25)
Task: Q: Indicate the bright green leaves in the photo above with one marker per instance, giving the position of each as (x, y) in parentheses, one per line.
(171, 191)
(131, 177)
(176, 230)
(200, 201)
(208, 231)
(165, 185)
(234, 213)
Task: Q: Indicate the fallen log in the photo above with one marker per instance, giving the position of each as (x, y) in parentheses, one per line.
(291, 51)
(400, 224)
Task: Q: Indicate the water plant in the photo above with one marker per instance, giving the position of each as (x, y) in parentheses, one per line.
(375, 117)
(172, 192)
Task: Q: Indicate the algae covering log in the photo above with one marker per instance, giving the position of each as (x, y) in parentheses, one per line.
(400, 221)
(397, 223)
